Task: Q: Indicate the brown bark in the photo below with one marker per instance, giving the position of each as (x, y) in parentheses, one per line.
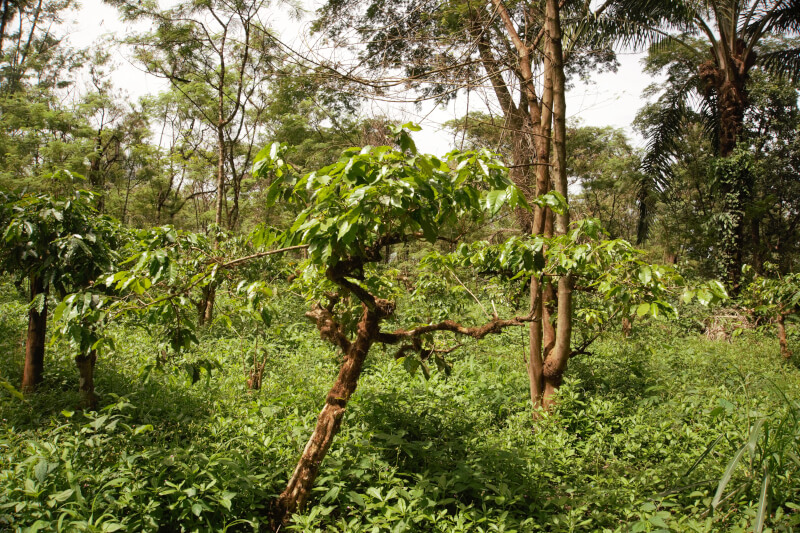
(85, 364)
(210, 298)
(627, 326)
(33, 370)
(536, 357)
(4, 17)
(556, 362)
(726, 75)
(538, 124)
(257, 372)
(220, 168)
(785, 352)
(205, 307)
(298, 490)
(543, 152)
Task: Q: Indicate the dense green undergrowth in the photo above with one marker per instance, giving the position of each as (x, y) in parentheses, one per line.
(184, 446)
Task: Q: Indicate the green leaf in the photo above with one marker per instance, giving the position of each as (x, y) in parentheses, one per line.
(197, 509)
(12, 390)
(643, 309)
(658, 522)
(356, 498)
(59, 310)
(411, 364)
(428, 230)
(704, 296)
(553, 200)
(645, 274)
(331, 495)
(274, 192)
(718, 289)
(62, 496)
(143, 428)
(705, 453)
(41, 470)
(495, 200)
(39, 524)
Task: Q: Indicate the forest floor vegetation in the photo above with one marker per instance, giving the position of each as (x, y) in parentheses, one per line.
(181, 444)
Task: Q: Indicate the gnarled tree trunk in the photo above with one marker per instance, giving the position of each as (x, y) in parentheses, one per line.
(33, 370)
(298, 490)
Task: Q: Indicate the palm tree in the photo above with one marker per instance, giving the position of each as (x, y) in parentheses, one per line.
(725, 40)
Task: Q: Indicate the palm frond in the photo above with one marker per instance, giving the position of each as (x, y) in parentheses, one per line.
(785, 18)
(709, 114)
(663, 132)
(662, 136)
(646, 194)
(782, 63)
(639, 23)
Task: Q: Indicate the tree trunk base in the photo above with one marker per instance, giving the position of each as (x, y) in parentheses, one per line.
(785, 352)
(33, 371)
(85, 366)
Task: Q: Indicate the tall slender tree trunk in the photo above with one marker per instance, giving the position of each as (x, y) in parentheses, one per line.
(96, 175)
(524, 158)
(33, 370)
(298, 490)
(4, 17)
(556, 362)
(85, 364)
(206, 307)
(220, 173)
(535, 356)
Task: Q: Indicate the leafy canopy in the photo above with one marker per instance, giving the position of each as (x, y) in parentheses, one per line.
(382, 196)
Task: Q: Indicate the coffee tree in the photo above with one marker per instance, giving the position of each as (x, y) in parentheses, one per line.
(774, 299)
(357, 210)
(159, 284)
(54, 245)
(612, 281)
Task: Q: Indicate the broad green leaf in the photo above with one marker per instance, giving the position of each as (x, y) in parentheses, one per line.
(356, 498)
(495, 200)
(645, 274)
(62, 496)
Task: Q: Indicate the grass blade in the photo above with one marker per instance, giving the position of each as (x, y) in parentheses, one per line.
(763, 504)
(726, 477)
(754, 434)
(703, 455)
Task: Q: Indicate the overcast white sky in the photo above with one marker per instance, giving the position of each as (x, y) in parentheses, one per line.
(610, 100)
